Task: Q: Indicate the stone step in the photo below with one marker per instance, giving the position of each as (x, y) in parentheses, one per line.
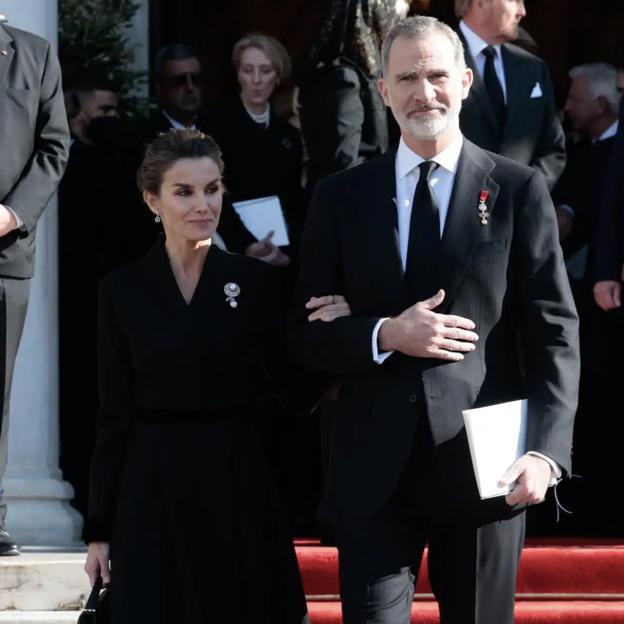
(43, 581)
(39, 617)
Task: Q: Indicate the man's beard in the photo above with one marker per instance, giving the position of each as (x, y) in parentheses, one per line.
(430, 125)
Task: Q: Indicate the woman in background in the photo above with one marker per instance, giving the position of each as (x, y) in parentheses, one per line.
(262, 153)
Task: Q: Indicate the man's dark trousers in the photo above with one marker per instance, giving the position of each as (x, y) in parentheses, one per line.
(472, 559)
(13, 304)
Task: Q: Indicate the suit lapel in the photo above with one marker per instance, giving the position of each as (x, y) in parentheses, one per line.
(6, 54)
(463, 229)
(380, 221)
(478, 90)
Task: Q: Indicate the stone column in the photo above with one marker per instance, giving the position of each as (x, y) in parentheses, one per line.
(36, 495)
(138, 38)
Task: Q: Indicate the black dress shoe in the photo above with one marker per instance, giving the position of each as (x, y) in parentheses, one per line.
(8, 548)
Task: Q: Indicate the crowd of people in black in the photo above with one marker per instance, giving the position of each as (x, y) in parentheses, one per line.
(158, 352)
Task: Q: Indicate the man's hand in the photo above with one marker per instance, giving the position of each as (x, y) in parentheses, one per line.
(97, 564)
(531, 474)
(328, 308)
(420, 332)
(8, 222)
(607, 294)
(266, 251)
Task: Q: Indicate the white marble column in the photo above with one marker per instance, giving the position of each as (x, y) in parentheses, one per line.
(138, 39)
(36, 495)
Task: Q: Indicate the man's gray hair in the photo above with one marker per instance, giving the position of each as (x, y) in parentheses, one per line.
(602, 79)
(420, 27)
(461, 6)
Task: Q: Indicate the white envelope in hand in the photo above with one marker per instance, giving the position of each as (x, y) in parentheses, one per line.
(537, 91)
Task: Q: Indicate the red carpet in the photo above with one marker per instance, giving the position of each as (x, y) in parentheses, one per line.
(560, 612)
(567, 581)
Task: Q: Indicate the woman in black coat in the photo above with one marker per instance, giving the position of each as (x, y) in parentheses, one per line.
(181, 502)
(262, 153)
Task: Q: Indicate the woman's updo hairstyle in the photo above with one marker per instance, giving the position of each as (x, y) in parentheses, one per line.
(169, 147)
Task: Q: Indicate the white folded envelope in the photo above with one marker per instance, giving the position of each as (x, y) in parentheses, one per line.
(263, 215)
(497, 437)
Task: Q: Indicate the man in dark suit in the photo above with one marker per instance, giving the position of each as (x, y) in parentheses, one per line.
(178, 81)
(33, 127)
(431, 244)
(592, 108)
(607, 292)
(610, 247)
(511, 108)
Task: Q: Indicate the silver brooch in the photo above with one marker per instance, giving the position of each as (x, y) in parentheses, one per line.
(232, 291)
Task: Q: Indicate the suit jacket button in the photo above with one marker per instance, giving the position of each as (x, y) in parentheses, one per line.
(413, 398)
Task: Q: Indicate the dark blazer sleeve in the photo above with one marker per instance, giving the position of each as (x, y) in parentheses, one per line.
(549, 326)
(549, 156)
(345, 344)
(610, 236)
(45, 167)
(332, 117)
(114, 420)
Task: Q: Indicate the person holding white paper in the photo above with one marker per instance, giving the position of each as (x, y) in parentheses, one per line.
(450, 261)
(262, 153)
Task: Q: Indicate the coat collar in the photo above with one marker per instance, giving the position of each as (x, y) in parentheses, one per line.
(159, 275)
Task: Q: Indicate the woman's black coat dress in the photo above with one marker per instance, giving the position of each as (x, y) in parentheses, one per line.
(179, 486)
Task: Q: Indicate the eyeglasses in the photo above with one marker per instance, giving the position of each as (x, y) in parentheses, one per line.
(176, 81)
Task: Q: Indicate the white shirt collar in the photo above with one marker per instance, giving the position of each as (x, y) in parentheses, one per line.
(611, 131)
(476, 45)
(175, 123)
(407, 160)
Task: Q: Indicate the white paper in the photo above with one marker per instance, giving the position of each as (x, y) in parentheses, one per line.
(497, 437)
(262, 215)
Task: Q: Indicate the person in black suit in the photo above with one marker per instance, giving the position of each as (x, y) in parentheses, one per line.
(33, 127)
(511, 107)
(262, 153)
(474, 252)
(592, 108)
(343, 119)
(179, 487)
(609, 258)
(178, 81)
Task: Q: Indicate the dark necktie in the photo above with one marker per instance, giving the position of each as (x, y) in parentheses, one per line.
(424, 238)
(493, 86)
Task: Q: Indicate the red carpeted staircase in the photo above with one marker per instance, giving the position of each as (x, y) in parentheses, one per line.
(560, 581)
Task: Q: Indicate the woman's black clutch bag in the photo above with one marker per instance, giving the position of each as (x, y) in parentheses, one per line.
(97, 609)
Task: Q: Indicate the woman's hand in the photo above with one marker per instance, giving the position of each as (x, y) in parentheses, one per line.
(266, 251)
(97, 564)
(328, 308)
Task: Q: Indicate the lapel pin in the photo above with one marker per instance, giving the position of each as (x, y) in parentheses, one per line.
(231, 291)
(3, 52)
(483, 211)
